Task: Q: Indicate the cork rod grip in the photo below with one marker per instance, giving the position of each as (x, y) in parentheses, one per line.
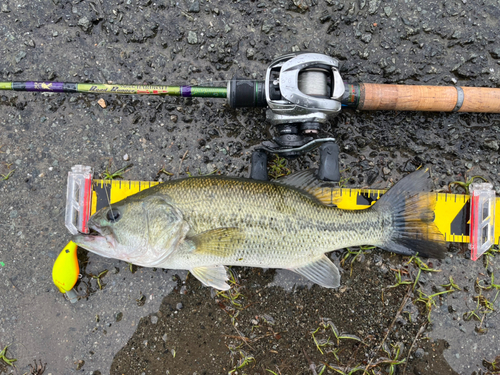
(428, 98)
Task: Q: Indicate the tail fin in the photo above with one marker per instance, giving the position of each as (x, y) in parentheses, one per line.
(411, 211)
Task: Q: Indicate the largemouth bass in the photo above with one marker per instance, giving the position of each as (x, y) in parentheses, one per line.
(203, 224)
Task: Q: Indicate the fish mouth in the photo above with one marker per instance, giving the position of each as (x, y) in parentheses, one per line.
(96, 237)
(95, 231)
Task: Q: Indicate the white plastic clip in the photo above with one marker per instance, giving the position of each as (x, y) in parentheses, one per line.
(78, 199)
(482, 218)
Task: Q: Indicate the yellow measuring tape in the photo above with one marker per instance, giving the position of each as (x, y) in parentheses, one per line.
(452, 215)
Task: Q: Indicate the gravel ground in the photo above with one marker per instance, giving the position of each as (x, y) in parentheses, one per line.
(156, 322)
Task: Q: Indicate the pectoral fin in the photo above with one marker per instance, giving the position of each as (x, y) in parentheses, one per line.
(214, 276)
(221, 242)
(322, 271)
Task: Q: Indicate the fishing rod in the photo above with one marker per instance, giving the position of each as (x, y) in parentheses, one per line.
(301, 91)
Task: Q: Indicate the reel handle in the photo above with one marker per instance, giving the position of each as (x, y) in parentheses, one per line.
(374, 96)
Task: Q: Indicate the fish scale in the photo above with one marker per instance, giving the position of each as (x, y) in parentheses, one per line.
(269, 215)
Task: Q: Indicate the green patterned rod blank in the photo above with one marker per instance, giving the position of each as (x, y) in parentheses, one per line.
(99, 88)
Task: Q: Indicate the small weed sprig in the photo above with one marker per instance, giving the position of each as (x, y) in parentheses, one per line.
(98, 278)
(345, 370)
(245, 360)
(233, 309)
(484, 306)
(5, 177)
(465, 185)
(480, 283)
(232, 295)
(278, 168)
(451, 286)
(422, 266)
(323, 328)
(493, 365)
(490, 253)
(428, 300)
(163, 171)
(355, 254)
(117, 174)
(392, 357)
(7, 361)
(38, 369)
(399, 278)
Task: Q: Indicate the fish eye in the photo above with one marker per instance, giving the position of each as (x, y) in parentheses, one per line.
(113, 215)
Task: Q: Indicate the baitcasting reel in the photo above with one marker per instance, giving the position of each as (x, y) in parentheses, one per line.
(301, 90)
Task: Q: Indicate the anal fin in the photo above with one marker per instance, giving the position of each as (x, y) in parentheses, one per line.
(321, 271)
(214, 276)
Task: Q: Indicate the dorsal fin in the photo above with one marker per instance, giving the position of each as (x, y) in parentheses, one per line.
(307, 181)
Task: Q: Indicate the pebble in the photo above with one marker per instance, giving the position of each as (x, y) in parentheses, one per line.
(419, 353)
(154, 319)
(126, 157)
(495, 53)
(250, 53)
(102, 103)
(192, 37)
(373, 6)
(366, 38)
(84, 23)
(267, 26)
(118, 316)
(491, 143)
(21, 55)
(179, 306)
(194, 7)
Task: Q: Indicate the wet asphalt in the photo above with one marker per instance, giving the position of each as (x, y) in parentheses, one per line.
(156, 322)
